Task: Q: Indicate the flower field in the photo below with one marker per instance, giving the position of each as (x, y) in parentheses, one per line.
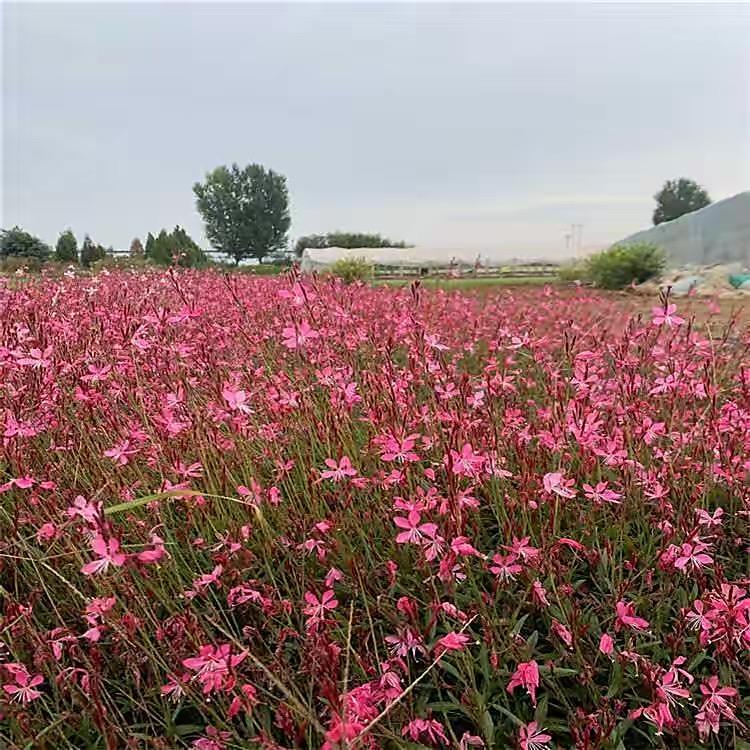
(243, 512)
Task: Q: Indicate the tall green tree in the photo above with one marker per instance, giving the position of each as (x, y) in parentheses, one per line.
(246, 211)
(677, 198)
(66, 249)
(16, 242)
(91, 252)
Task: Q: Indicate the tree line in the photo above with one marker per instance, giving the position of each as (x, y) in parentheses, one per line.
(245, 212)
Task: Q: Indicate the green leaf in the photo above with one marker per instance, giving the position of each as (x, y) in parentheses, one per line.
(616, 684)
(518, 722)
(122, 507)
(541, 710)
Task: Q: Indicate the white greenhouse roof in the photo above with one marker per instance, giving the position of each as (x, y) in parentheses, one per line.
(314, 259)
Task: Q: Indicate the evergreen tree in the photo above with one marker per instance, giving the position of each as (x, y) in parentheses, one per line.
(66, 250)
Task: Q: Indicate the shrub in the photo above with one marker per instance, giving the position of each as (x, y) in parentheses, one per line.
(622, 265)
(352, 269)
(570, 272)
(16, 242)
(10, 264)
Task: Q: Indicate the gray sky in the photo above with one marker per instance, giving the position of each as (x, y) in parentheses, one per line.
(488, 126)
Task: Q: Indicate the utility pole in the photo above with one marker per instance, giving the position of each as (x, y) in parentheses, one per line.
(576, 231)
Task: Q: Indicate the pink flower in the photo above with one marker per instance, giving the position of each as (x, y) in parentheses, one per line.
(317, 609)
(693, 555)
(121, 452)
(505, 567)
(236, 399)
(420, 730)
(666, 316)
(338, 472)
(452, 642)
(539, 594)
(562, 633)
(470, 740)
(533, 737)
(466, 463)
(626, 617)
(601, 493)
(24, 688)
(527, 676)
(606, 644)
(155, 554)
(109, 554)
(521, 548)
(213, 666)
(295, 337)
(214, 739)
(555, 483)
(414, 531)
(46, 532)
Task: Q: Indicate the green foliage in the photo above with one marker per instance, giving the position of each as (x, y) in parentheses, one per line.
(246, 211)
(91, 252)
(174, 247)
(358, 239)
(66, 250)
(349, 240)
(622, 265)
(136, 249)
(310, 240)
(352, 269)
(16, 242)
(679, 197)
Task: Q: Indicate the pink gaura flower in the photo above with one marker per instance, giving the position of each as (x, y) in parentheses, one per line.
(556, 483)
(666, 316)
(526, 676)
(121, 453)
(626, 617)
(214, 666)
(338, 472)
(23, 689)
(297, 336)
(425, 730)
(693, 556)
(606, 644)
(505, 567)
(317, 609)
(109, 553)
(414, 532)
(601, 493)
(533, 737)
(452, 642)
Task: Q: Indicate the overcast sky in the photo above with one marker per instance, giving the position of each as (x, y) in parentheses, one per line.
(489, 126)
